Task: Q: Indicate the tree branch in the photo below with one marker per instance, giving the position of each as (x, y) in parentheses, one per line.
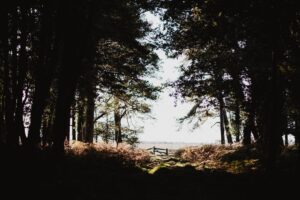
(95, 120)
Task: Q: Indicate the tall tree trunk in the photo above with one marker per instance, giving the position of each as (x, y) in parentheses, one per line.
(285, 128)
(90, 117)
(254, 132)
(273, 132)
(80, 125)
(66, 92)
(250, 121)
(68, 127)
(4, 67)
(297, 130)
(297, 136)
(107, 133)
(227, 127)
(252, 125)
(9, 80)
(1, 118)
(286, 139)
(22, 73)
(250, 128)
(117, 118)
(239, 98)
(45, 131)
(237, 121)
(296, 98)
(50, 116)
(75, 44)
(43, 72)
(2, 40)
(247, 133)
(73, 116)
(221, 108)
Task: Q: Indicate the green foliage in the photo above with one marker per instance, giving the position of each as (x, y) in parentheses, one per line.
(104, 131)
(63, 54)
(241, 53)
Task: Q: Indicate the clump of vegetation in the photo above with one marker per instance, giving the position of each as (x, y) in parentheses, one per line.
(205, 152)
(124, 153)
(234, 158)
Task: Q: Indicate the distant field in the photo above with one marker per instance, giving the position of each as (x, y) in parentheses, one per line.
(169, 145)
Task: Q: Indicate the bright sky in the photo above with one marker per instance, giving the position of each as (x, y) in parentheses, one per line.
(165, 127)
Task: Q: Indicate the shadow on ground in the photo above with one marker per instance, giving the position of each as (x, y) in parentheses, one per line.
(42, 176)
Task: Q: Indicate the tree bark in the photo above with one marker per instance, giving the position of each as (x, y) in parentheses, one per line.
(75, 43)
(250, 121)
(106, 135)
(117, 118)
(273, 132)
(68, 127)
(221, 110)
(247, 133)
(1, 118)
(73, 116)
(297, 136)
(9, 79)
(237, 121)
(44, 71)
(227, 127)
(286, 139)
(62, 113)
(80, 125)
(90, 116)
(239, 96)
(3, 40)
(297, 130)
(252, 125)
(22, 73)
(45, 131)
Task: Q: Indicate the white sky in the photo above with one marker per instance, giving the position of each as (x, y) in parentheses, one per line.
(165, 127)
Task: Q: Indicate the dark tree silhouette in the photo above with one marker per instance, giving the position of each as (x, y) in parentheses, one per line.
(252, 45)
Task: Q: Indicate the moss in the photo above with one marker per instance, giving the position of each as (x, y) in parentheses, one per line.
(158, 167)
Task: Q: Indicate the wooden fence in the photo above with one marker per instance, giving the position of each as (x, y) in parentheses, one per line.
(159, 151)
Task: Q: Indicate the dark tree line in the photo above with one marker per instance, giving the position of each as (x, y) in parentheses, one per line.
(81, 66)
(58, 59)
(244, 66)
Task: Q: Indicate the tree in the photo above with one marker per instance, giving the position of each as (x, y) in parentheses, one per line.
(258, 46)
(47, 48)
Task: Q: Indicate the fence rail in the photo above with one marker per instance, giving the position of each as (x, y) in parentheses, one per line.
(159, 151)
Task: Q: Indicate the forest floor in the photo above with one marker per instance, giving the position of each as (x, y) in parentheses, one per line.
(104, 172)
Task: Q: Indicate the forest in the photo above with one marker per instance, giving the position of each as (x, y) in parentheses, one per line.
(78, 71)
